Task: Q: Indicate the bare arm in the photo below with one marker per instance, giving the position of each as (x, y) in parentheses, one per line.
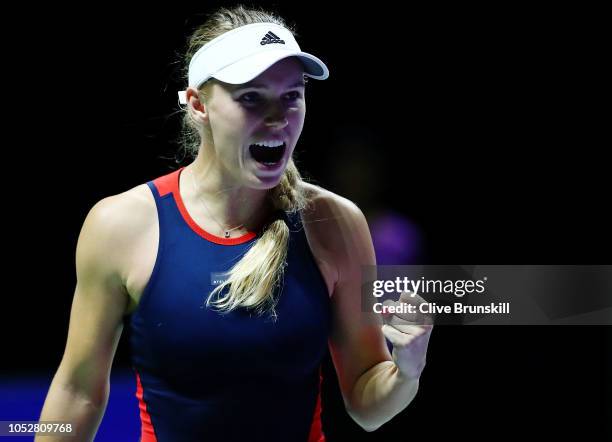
(373, 386)
(79, 391)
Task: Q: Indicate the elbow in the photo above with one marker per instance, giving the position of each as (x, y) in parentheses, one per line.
(370, 428)
(374, 416)
(88, 396)
(367, 423)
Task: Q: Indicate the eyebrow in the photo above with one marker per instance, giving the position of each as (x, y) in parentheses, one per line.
(300, 83)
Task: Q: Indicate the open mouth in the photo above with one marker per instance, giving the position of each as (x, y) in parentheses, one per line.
(267, 155)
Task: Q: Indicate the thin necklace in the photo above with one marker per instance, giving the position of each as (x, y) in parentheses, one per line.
(227, 231)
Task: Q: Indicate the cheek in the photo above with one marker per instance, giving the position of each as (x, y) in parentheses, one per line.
(296, 113)
(297, 121)
(227, 117)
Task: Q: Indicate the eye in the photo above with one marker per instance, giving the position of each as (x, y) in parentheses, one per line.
(294, 95)
(250, 97)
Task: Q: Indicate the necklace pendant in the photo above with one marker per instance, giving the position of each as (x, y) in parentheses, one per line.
(227, 234)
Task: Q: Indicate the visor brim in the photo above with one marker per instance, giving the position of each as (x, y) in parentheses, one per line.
(248, 68)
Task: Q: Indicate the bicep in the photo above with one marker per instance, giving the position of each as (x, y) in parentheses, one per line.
(98, 306)
(356, 342)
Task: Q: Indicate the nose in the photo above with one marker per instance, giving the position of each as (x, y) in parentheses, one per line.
(276, 117)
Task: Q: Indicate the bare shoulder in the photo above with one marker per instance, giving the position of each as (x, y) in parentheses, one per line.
(114, 224)
(337, 232)
(326, 202)
(122, 215)
(329, 211)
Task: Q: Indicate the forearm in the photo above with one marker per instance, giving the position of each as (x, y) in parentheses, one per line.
(379, 394)
(68, 404)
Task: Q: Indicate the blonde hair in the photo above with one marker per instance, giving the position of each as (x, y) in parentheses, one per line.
(251, 283)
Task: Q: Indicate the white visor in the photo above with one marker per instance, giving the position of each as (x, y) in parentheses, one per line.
(241, 54)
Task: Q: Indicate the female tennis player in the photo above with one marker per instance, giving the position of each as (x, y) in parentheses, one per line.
(233, 275)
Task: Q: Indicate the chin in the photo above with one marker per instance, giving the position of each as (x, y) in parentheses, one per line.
(266, 182)
(268, 176)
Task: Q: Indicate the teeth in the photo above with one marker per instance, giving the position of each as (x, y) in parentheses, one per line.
(271, 143)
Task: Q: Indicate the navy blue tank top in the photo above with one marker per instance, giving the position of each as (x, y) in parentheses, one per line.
(206, 376)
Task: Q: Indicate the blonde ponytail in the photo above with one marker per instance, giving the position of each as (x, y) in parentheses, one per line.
(252, 282)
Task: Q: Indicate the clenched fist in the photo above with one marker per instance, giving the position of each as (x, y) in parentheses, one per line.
(409, 333)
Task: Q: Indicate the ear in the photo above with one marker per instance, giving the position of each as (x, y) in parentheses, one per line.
(196, 106)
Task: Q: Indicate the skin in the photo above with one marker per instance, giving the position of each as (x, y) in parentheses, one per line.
(117, 247)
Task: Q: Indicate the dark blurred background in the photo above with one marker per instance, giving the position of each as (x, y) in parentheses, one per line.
(467, 135)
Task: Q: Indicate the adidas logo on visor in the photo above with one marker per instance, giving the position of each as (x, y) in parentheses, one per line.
(270, 38)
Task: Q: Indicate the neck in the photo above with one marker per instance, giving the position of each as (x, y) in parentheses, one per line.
(230, 205)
